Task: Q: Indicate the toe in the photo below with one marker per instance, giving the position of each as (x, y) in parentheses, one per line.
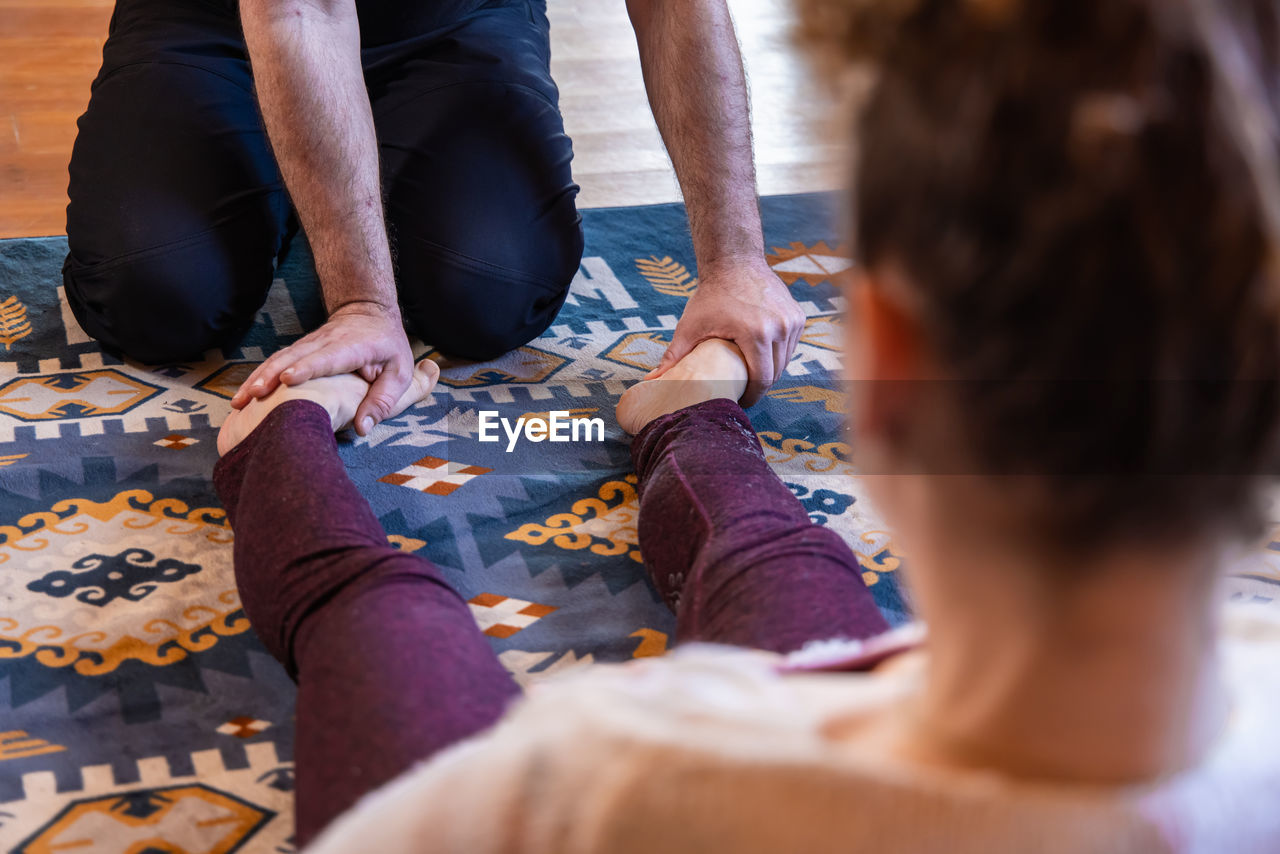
(430, 372)
(425, 375)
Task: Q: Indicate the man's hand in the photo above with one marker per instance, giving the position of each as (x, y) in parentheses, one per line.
(746, 303)
(363, 338)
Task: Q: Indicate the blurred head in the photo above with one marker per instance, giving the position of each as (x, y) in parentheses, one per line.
(1066, 329)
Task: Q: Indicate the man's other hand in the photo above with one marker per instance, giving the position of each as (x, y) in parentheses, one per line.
(746, 303)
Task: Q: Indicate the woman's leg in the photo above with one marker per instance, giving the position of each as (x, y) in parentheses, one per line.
(390, 664)
(725, 541)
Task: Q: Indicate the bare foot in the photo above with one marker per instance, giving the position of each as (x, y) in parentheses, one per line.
(713, 369)
(339, 396)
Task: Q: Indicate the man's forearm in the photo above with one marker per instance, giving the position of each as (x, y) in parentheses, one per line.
(693, 72)
(306, 66)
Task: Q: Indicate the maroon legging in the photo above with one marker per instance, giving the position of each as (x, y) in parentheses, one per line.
(391, 666)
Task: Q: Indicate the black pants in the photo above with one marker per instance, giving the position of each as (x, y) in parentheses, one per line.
(178, 213)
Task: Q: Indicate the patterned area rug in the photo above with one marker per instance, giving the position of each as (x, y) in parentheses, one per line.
(137, 709)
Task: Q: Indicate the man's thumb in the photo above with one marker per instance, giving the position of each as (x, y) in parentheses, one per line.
(379, 403)
(676, 351)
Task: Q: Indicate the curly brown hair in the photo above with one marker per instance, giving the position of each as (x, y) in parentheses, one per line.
(1084, 195)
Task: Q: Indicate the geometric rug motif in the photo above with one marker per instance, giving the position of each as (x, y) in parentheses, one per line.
(503, 616)
(434, 476)
(212, 808)
(77, 597)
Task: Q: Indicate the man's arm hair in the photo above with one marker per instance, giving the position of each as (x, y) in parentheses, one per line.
(306, 66)
(698, 93)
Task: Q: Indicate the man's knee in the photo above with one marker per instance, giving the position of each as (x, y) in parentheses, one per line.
(171, 252)
(170, 303)
(483, 215)
(474, 307)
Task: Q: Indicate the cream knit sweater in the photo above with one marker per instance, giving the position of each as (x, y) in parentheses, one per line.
(714, 749)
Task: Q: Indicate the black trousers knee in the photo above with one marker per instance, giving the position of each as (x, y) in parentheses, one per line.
(177, 211)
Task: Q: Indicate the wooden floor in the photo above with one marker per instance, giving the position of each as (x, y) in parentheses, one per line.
(50, 51)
